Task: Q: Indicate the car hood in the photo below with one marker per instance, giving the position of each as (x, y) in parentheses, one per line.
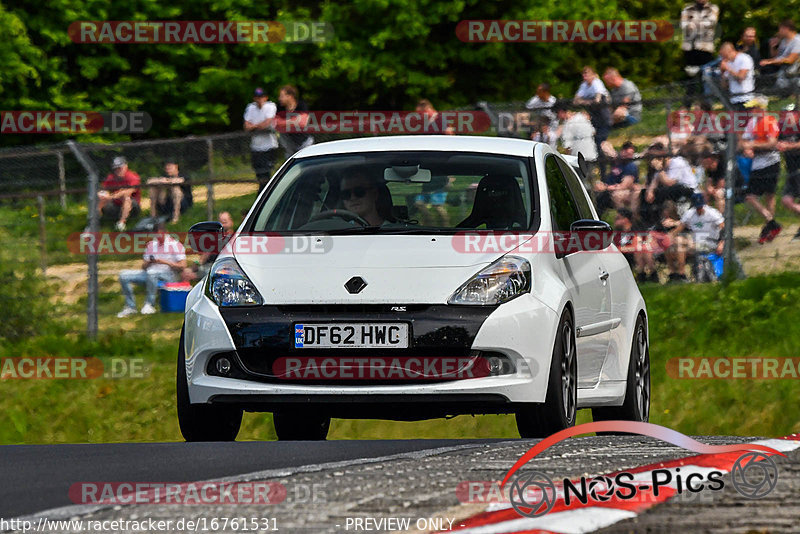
(398, 269)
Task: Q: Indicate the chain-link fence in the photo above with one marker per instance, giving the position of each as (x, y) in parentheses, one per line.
(45, 200)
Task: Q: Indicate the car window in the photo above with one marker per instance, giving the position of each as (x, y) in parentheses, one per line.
(577, 190)
(400, 191)
(562, 205)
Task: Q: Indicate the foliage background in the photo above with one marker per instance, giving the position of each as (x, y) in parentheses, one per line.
(385, 55)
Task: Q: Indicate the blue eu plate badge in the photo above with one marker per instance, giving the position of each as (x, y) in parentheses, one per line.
(298, 336)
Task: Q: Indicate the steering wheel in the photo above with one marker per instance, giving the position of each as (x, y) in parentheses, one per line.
(341, 214)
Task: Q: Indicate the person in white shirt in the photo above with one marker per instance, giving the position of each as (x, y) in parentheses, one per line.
(595, 98)
(679, 180)
(164, 258)
(704, 224)
(259, 116)
(737, 72)
(577, 135)
(542, 104)
(680, 171)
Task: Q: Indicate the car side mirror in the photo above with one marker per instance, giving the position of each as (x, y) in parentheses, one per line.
(591, 235)
(204, 237)
(205, 227)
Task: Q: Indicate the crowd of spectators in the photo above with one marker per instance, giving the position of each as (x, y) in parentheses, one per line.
(673, 187)
(120, 198)
(669, 191)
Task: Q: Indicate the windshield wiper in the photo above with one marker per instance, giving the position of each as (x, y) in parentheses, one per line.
(384, 230)
(353, 230)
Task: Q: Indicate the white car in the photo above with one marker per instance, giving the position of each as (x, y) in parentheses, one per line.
(411, 278)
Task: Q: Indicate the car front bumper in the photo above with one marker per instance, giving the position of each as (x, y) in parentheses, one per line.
(523, 330)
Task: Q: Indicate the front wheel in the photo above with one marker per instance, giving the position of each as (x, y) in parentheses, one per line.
(559, 409)
(301, 426)
(203, 422)
(636, 406)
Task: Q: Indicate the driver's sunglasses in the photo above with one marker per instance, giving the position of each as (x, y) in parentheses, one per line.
(355, 192)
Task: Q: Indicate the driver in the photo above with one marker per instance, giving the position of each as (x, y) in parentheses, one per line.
(359, 194)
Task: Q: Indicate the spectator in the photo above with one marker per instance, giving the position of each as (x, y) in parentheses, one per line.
(632, 246)
(789, 145)
(662, 234)
(626, 100)
(703, 225)
(737, 73)
(424, 107)
(748, 44)
(593, 95)
(620, 188)
(577, 134)
(698, 27)
(785, 51)
(543, 132)
(258, 118)
(170, 193)
(678, 180)
(714, 183)
(656, 158)
(120, 195)
(164, 260)
(542, 104)
(761, 140)
(289, 100)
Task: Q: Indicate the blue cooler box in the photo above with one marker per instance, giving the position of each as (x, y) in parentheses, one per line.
(173, 296)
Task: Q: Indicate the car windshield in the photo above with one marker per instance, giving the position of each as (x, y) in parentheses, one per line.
(399, 192)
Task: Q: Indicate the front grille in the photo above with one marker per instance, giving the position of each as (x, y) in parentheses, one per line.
(352, 308)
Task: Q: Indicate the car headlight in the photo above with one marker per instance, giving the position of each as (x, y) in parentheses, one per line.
(501, 281)
(229, 286)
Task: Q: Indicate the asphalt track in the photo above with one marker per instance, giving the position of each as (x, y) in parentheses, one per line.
(377, 480)
(38, 477)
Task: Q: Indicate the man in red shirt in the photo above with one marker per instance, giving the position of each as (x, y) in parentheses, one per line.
(120, 195)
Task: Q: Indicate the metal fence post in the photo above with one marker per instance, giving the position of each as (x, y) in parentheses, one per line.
(42, 233)
(669, 129)
(210, 182)
(94, 227)
(62, 180)
(732, 267)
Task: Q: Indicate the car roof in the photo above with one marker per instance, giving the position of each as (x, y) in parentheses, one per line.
(445, 143)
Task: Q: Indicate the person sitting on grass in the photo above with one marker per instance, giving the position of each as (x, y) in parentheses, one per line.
(699, 231)
(169, 193)
(620, 188)
(164, 261)
(120, 195)
(634, 247)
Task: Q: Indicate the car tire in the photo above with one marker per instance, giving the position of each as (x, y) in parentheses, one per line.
(636, 406)
(559, 409)
(300, 426)
(203, 422)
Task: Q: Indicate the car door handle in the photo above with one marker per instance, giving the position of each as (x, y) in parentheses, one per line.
(604, 275)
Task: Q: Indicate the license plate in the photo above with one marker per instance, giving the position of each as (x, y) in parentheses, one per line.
(352, 335)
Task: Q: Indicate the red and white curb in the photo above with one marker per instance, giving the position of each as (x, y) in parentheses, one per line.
(579, 518)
